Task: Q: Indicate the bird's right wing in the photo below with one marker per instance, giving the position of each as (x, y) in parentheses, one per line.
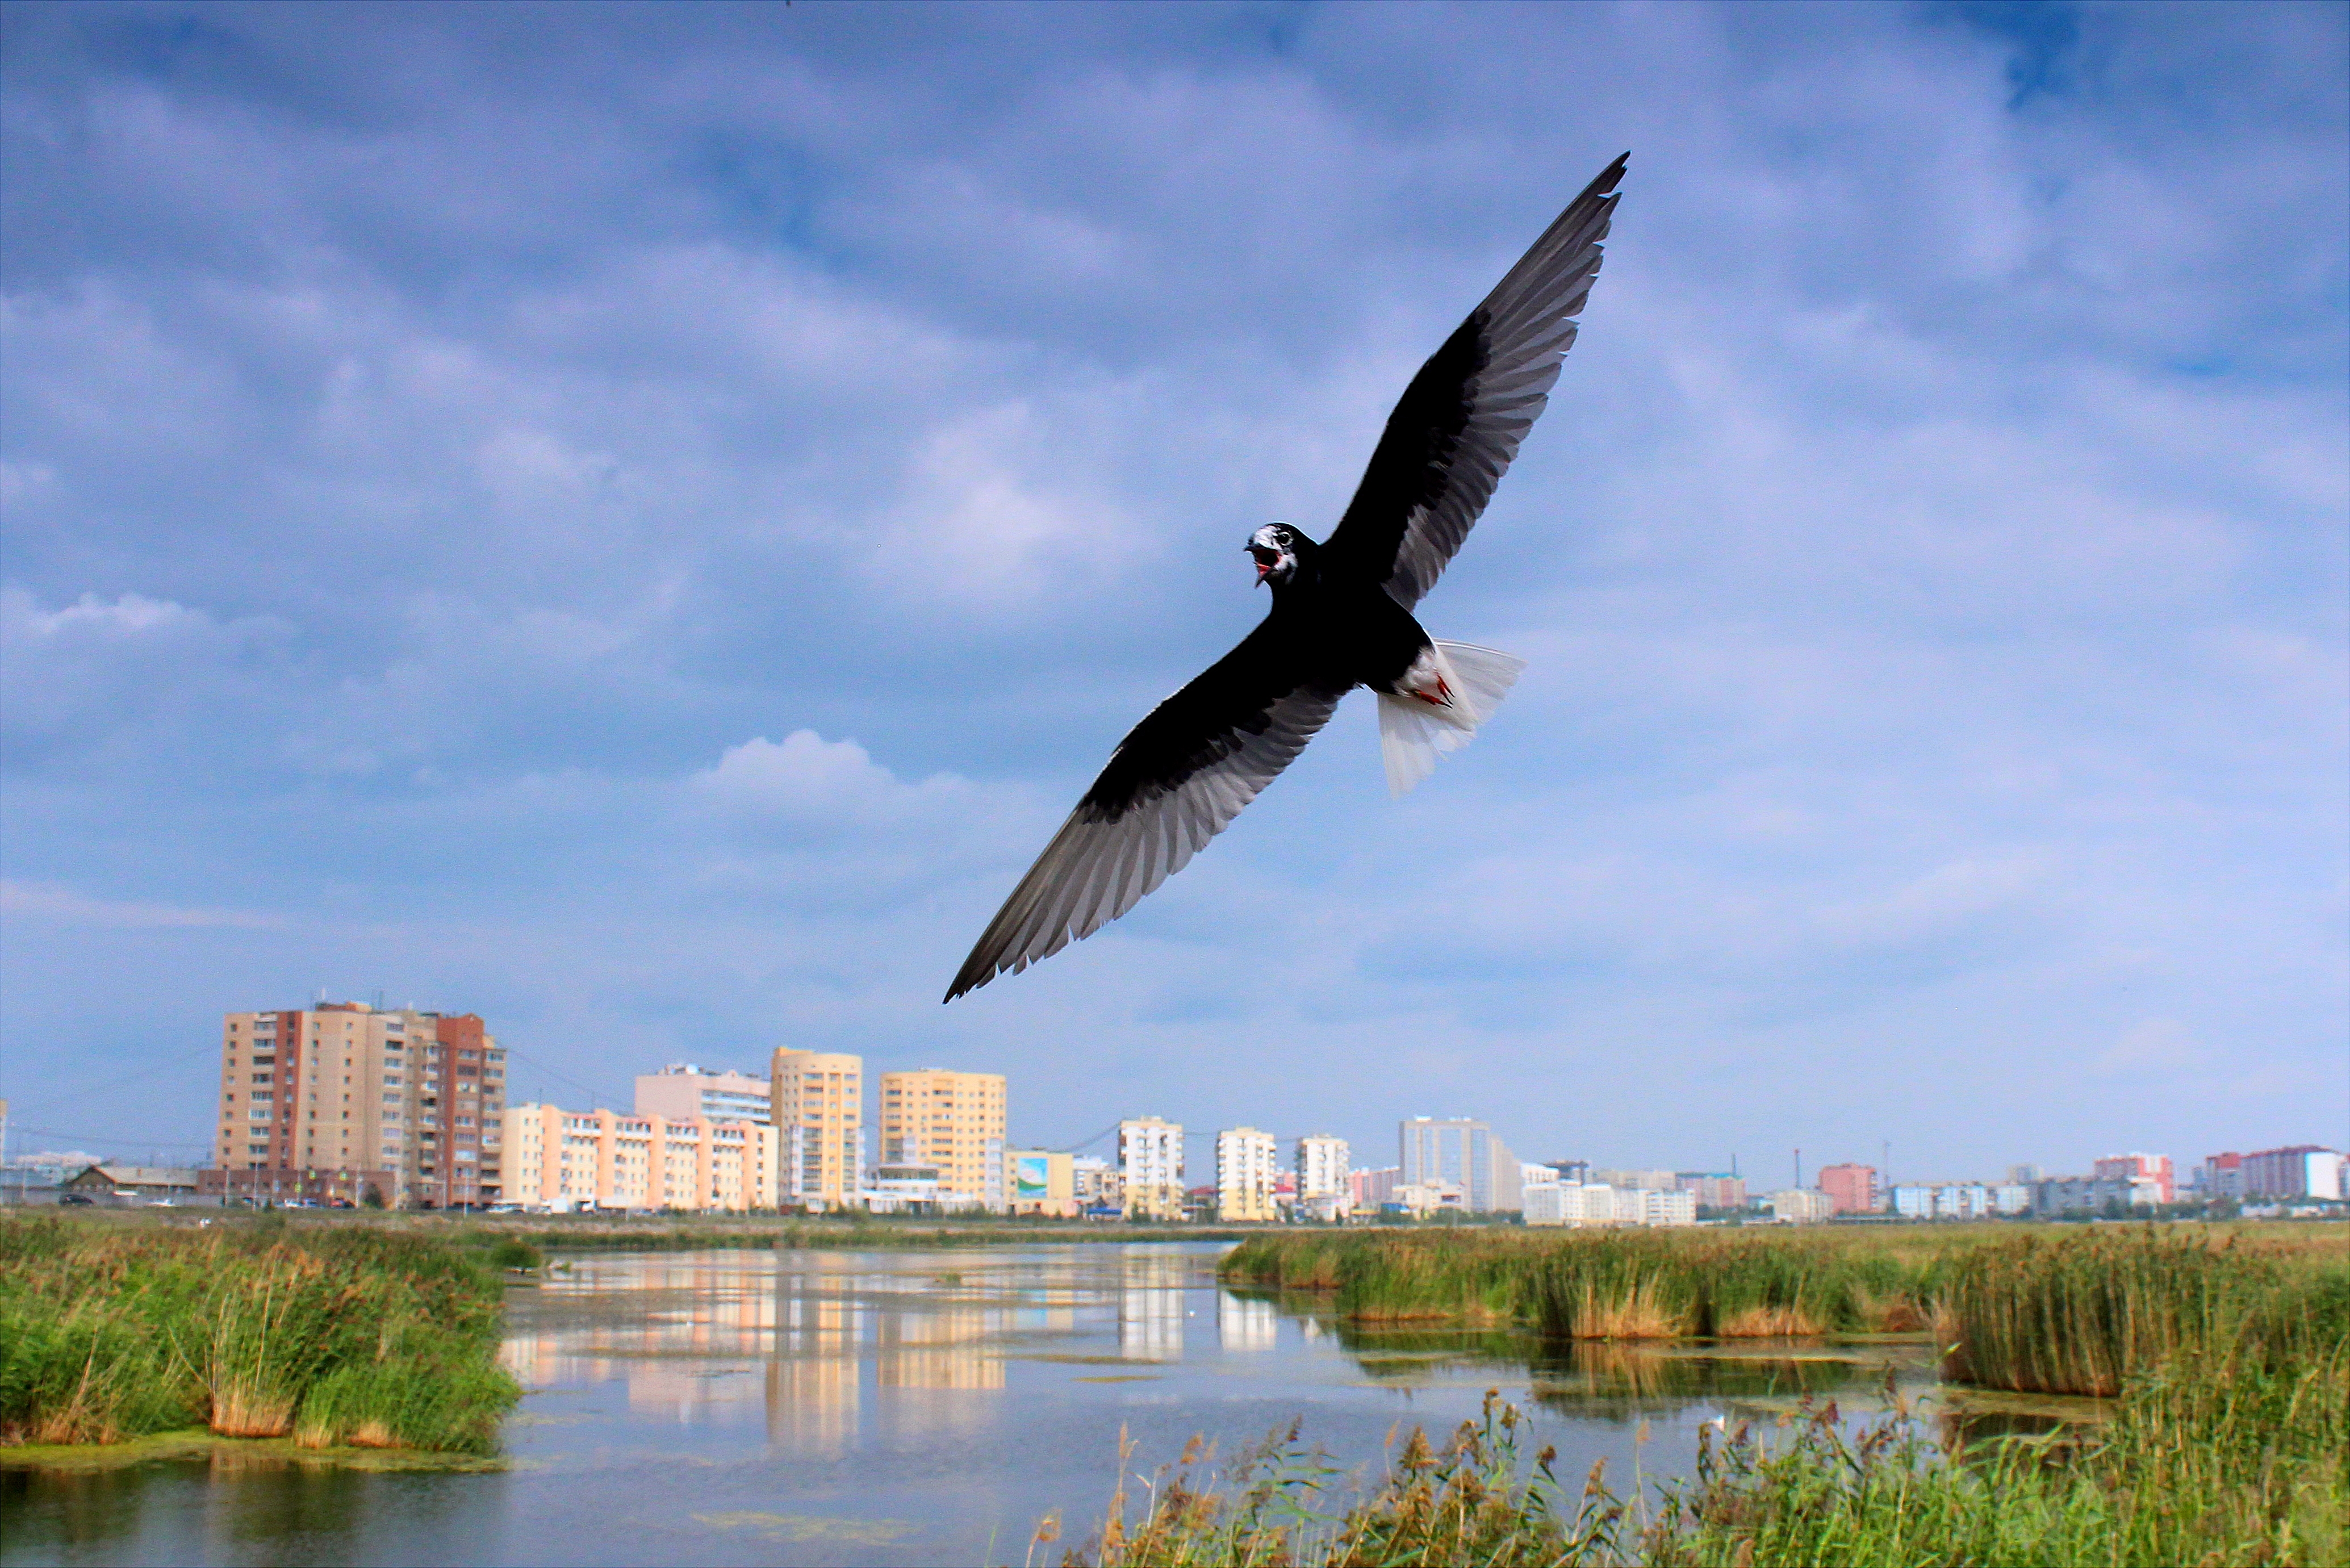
(1173, 783)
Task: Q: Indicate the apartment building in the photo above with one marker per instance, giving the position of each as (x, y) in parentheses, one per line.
(1851, 1187)
(1712, 1188)
(1583, 1204)
(1151, 1168)
(563, 1160)
(1459, 1152)
(818, 1106)
(2153, 1167)
(683, 1091)
(953, 1122)
(342, 1102)
(2300, 1170)
(1247, 1165)
(1326, 1188)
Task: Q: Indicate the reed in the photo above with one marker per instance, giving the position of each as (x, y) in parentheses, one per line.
(1605, 1285)
(2215, 1460)
(2081, 1315)
(113, 1331)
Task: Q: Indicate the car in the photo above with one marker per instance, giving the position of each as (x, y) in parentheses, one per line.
(78, 1200)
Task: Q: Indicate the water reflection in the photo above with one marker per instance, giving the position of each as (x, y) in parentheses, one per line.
(899, 1408)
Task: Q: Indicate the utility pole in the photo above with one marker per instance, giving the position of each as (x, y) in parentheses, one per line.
(1799, 1170)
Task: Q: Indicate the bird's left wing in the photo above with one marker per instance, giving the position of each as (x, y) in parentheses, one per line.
(1458, 425)
(1173, 783)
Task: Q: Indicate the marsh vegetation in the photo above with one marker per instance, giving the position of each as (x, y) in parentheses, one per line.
(330, 1337)
(2226, 1357)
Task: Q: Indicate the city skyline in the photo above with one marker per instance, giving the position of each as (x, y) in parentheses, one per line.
(636, 531)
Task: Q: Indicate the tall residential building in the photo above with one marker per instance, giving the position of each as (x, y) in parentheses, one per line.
(952, 1122)
(2153, 1167)
(1246, 1167)
(1851, 1187)
(2302, 1171)
(1712, 1188)
(818, 1106)
(1151, 1168)
(578, 1160)
(1463, 1154)
(1326, 1188)
(681, 1091)
(341, 1101)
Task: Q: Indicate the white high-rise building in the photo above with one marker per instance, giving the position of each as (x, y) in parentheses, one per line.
(1459, 1153)
(1151, 1168)
(1323, 1188)
(1247, 1169)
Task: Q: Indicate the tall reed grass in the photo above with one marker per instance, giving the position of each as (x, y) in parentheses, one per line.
(2081, 1313)
(110, 1331)
(2211, 1459)
(1606, 1284)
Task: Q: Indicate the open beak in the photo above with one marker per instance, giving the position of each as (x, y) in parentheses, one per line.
(1265, 561)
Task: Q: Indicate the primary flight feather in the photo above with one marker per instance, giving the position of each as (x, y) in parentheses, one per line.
(1341, 618)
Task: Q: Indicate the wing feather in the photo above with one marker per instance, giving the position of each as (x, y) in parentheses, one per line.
(1126, 837)
(1459, 424)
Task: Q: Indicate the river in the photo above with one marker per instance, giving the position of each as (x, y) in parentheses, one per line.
(898, 1407)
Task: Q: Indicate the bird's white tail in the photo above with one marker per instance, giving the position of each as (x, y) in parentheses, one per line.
(1454, 688)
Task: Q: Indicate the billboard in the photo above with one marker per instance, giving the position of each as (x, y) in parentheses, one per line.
(1031, 1177)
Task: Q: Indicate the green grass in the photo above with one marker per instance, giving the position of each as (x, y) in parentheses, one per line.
(331, 1335)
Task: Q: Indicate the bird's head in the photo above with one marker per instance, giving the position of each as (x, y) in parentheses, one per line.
(1277, 549)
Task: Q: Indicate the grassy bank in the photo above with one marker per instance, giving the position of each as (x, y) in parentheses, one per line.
(330, 1337)
(2210, 1460)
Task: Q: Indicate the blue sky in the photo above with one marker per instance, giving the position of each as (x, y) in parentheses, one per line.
(638, 521)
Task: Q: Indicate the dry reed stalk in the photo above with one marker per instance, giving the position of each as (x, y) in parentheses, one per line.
(1770, 1323)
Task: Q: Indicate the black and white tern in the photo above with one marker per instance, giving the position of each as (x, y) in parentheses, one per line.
(1341, 618)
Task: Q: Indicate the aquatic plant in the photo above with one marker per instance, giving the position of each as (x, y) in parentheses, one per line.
(2214, 1459)
(2079, 1315)
(110, 1331)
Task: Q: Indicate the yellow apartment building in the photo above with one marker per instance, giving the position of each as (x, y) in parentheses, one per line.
(952, 1121)
(1151, 1164)
(556, 1158)
(818, 1109)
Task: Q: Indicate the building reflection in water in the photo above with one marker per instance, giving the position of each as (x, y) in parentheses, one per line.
(1244, 1325)
(700, 1338)
(1150, 1306)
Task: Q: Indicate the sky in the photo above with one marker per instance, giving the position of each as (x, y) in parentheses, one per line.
(639, 521)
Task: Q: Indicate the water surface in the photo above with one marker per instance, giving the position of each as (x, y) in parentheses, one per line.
(900, 1407)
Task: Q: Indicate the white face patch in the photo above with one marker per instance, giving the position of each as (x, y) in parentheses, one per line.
(1276, 540)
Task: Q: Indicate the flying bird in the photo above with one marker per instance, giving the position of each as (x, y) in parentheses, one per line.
(1341, 618)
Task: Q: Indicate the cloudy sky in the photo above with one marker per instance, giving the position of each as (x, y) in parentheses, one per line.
(638, 521)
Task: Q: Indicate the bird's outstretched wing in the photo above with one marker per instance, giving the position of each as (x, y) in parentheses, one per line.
(1173, 784)
(1459, 424)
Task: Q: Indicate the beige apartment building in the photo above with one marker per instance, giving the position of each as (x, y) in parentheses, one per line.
(818, 1109)
(342, 1101)
(683, 1091)
(1246, 1170)
(952, 1122)
(1151, 1168)
(563, 1160)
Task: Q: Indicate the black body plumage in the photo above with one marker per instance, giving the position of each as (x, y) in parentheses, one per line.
(1341, 614)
